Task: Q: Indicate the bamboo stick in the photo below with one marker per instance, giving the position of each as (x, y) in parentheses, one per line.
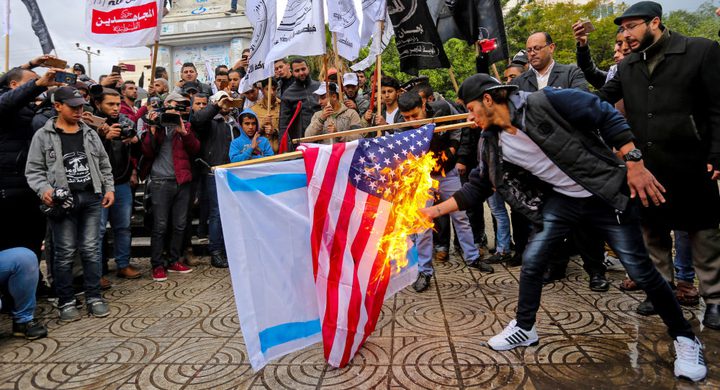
(380, 128)
(453, 79)
(298, 154)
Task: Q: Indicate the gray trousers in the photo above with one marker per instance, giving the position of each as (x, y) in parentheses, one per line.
(705, 249)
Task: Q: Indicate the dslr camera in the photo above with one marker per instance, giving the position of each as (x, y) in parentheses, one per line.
(62, 203)
(127, 128)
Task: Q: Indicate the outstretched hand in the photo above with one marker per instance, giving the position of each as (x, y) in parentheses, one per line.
(644, 185)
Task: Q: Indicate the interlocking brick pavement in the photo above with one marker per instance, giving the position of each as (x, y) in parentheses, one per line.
(184, 334)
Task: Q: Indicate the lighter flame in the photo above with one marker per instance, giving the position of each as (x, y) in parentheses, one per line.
(412, 185)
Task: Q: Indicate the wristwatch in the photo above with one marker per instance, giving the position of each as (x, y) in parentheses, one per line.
(633, 155)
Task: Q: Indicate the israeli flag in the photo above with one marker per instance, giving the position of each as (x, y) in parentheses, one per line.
(266, 226)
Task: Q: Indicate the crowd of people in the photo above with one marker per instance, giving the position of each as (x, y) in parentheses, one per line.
(571, 165)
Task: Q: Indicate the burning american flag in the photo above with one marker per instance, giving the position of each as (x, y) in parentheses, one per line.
(363, 197)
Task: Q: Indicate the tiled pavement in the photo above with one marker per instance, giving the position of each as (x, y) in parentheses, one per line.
(184, 334)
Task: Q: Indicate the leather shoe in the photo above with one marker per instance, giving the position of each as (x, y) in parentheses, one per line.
(481, 266)
(599, 283)
(105, 284)
(646, 308)
(219, 260)
(422, 283)
(552, 275)
(128, 272)
(712, 316)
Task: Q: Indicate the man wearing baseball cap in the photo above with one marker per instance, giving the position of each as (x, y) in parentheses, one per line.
(353, 99)
(540, 152)
(68, 156)
(669, 84)
(334, 116)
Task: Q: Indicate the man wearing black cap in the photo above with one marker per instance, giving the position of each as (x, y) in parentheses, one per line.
(67, 158)
(669, 84)
(542, 154)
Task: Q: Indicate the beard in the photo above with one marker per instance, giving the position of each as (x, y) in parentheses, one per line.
(646, 41)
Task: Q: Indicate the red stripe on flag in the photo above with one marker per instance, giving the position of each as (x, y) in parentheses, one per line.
(321, 205)
(357, 250)
(379, 281)
(337, 258)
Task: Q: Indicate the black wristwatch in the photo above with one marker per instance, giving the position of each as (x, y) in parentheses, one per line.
(633, 155)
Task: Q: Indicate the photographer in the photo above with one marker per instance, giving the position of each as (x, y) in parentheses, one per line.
(218, 128)
(167, 149)
(119, 139)
(68, 169)
(19, 88)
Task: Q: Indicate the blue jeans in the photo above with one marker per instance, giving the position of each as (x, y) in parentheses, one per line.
(119, 214)
(683, 257)
(19, 274)
(502, 234)
(562, 214)
(233, 4)
(447, 186)
(215, 233)
(78, 231)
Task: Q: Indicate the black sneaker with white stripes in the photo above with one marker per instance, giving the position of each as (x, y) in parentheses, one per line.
(513, 336)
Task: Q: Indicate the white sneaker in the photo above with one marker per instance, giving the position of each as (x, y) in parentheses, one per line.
(513, 336)
(689, 359)
(612, 263)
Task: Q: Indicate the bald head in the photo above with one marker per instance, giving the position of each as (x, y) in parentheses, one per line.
(540, 49)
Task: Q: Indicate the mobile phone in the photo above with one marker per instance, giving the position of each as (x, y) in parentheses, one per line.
(66, 78)
(95, 121)
(55, 63)
(235, 103)
(128, 67)
(588, 27)
(170, 119)
(116, 69)
(488, 45)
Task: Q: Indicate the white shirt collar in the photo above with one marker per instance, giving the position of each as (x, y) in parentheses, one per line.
(547, 72)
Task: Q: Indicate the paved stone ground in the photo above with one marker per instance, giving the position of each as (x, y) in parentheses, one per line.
(184, 334)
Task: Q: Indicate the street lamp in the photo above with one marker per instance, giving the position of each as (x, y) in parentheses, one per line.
(89, 53)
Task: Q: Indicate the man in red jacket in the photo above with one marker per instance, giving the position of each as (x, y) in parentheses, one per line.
(167, 149)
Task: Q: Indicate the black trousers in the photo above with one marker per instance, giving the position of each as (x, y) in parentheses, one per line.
(170, 203)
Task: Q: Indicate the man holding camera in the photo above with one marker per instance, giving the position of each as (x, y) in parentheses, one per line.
(118, 136)
(188, 75)
(217, 127)
(69, 170)
(167, 149)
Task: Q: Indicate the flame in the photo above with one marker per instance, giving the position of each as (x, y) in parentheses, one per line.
(411, 185)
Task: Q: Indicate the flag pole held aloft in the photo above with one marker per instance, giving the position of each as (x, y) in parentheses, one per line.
(298, 154)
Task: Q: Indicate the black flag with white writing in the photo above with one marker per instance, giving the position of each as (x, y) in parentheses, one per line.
(416, 38)
(38, 25)
(471, 21)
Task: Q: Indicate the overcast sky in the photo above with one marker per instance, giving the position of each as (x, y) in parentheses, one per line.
(65, 20)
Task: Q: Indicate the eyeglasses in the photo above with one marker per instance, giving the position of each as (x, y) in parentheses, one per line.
(631, 27)
(536, 49)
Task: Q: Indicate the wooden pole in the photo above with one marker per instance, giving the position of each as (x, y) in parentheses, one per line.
(339, 68)
(453, 79)
(440, 119)
(497, 74)
(154, 62)
(7, 52)
(298, 154)
(378, 77)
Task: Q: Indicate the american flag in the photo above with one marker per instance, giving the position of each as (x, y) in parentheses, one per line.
(350, 191)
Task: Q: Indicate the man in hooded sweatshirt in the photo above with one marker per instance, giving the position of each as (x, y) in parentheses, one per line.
(249, 145)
